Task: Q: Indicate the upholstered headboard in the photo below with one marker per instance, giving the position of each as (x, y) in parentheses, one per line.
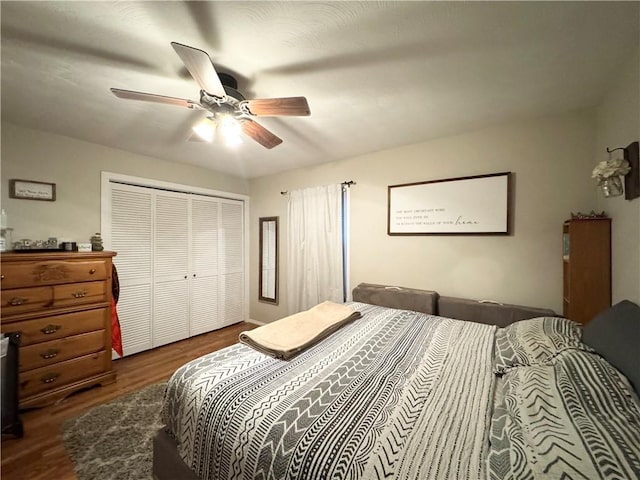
(429, 301)
(488, 312)
(424, 301)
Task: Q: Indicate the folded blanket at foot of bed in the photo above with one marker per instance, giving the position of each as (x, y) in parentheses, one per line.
(290, 335)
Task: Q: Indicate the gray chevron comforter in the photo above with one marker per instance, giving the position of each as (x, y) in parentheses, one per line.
(395, 394)
(405, 395)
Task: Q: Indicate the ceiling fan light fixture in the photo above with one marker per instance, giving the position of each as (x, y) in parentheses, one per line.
(233, 140)
(230, 130)
(205, 129)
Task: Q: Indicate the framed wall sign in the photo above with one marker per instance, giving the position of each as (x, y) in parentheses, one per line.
(476, 205)
(32, 190)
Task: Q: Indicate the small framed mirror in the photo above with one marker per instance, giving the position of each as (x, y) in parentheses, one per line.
(268, 289)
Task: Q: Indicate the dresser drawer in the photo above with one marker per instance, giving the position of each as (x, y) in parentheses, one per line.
(79, 293)
(47, 353)
(20, 300)
(62, 373)
(58, 326)
(52, 272)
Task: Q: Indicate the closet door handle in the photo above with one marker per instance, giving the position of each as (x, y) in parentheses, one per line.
(79, 294)
(17, 301)
(49, 329)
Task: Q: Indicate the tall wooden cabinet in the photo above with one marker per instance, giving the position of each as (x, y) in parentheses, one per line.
(60, 304)
(586, 267)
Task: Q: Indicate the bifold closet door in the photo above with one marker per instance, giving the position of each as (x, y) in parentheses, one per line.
(232, 264)
(171, 268)
(205, 271)
(132, 238)
(180, 263)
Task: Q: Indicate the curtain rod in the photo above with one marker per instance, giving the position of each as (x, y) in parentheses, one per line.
(347, 183)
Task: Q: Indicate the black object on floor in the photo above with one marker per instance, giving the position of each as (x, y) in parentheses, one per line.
(11, 423)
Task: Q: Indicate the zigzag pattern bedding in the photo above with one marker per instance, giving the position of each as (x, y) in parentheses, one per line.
(535, 341)
(395, 394)
(575, 418)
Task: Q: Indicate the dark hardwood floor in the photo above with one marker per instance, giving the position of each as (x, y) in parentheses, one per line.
(40, 454)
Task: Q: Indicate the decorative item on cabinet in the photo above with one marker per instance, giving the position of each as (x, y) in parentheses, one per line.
(60, 303)
(84, 247)
(26, 245)
(586, 268)
(591, 214)
(96, 243)
(5, 232)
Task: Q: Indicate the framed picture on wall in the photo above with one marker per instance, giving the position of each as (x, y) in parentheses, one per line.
(32, 190)
(477, 205)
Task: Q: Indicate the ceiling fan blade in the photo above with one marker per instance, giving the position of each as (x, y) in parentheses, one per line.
(294, 106)
(260, 134)
(150, 97)
(201, 68)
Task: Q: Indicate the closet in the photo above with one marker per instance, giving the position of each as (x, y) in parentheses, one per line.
(180, 264)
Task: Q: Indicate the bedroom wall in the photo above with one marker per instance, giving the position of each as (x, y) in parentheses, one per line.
(552, 160)
(618, 124)
(75, 167)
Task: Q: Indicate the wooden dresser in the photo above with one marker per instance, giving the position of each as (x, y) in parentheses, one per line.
(60, 303)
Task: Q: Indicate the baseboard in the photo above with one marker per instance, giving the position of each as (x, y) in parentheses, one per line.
(256, 322)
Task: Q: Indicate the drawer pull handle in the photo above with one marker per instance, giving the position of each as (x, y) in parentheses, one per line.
(17, 301)
(92, 271)
(52, 377)
(2, 277)
(79, 294)
(51, 353)
(49, 329)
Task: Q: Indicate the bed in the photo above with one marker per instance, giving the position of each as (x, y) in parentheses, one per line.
(408, 394)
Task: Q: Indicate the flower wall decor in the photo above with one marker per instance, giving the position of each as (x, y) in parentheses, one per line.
(608, 173)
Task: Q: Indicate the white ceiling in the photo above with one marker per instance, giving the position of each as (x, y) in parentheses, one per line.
(376, 74)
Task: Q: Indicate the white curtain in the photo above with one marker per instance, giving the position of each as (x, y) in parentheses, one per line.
(314, 272)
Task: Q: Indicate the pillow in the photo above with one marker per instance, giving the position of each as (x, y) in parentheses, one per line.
(576, 417)
(535, 341)
(615, 334)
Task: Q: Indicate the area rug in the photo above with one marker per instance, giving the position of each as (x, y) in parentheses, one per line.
(114, 441)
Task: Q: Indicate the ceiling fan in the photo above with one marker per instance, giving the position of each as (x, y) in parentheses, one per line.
(228, 112)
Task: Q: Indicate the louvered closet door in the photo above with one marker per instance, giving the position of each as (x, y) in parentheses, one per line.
(205, 284)
(171, 268)
(132, 239)
(232, 262)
